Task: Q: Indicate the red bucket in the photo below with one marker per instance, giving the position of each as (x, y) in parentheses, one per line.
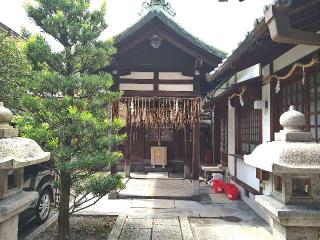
(227, 187)
(218, 186)
(232, 192)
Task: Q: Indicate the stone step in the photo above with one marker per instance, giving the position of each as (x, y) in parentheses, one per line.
(158, 169)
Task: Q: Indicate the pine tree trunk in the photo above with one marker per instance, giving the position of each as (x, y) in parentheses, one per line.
(63, 217)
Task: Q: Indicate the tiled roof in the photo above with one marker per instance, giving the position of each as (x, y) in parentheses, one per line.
(163, 17)
(259, 27)
(9, 30)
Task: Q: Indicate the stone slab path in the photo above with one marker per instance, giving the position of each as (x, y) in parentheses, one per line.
(213, 218)
(151, 228)
(223, 229)
(157, 188)
(150, 175)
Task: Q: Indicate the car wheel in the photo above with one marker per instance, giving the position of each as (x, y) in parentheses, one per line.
(43, 206)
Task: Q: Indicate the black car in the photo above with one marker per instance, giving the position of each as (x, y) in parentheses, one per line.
(38, 178)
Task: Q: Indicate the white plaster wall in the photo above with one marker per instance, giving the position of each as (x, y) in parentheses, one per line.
(292, 56)
(173, 76)
(139, 75)
(266, 70)
(249, 73)
(231, 140)
(266, 114)
(247, 174)
(135, 87)
(176, 87)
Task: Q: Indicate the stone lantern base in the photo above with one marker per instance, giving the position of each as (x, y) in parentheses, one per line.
(292, 222)
(281, 232)
(10, 209)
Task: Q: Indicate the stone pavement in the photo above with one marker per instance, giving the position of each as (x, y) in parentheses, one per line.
(151, 227)
(213, 218)
(226, 229)
(150, 175)
(157, 188)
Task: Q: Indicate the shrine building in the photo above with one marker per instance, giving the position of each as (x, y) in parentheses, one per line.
(161, 69)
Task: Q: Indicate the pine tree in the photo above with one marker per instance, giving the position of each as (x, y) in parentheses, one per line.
(68, 101)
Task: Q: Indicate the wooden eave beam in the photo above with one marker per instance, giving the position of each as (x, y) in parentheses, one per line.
(159, 94)
(281, 31)
(160, 68)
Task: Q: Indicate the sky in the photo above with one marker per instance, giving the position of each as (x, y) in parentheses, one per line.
(219, 24)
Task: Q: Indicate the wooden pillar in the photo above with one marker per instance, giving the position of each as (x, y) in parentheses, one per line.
(127, 165)
(176, 142)
(115, 114)
(187, 152)
(196, 82)
(196, 152)
(196, 155)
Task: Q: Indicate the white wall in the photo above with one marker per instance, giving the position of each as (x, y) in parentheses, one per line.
(231, 140)
(266, 123)
(173, 76)
(135, 87)
(139, 75)
(176, 87)
(247, 174)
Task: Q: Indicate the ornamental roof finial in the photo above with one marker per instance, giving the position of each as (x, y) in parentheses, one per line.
(159, 4)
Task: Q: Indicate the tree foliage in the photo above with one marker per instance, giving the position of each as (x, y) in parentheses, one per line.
(68, 102)
(14, 70)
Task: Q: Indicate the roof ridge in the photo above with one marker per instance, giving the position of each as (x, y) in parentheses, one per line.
(199, 39)
(168, 20)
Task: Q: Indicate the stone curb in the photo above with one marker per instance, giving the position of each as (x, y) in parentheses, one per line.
(186, 228)
(127, 196)
(41, 228)
(117, 228)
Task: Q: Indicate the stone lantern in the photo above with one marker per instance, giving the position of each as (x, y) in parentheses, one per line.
(294, 163)
(15, 154)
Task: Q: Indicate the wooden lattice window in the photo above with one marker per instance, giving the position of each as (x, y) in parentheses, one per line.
(292, 94)
(314, 96)
(223, 133)
(305, 98)
(249, 128)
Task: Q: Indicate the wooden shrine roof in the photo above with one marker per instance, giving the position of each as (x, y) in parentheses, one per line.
(9, 30)
(258, 47)
(158, 14)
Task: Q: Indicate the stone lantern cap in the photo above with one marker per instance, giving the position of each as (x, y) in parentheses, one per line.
(20, 152)
(5, 115)
(16, 152)
(292, 151)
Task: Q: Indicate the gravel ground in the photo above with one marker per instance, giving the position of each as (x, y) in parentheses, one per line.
(83, 228)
